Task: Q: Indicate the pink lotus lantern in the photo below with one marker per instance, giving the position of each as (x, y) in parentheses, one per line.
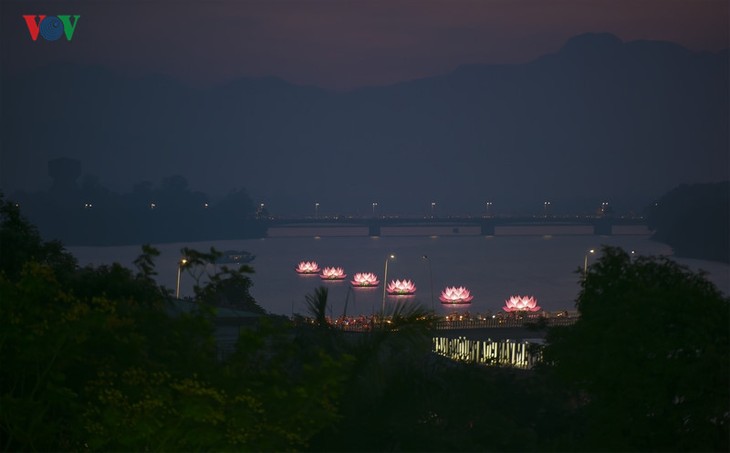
(401, 287)
(307, 267)
(520, 303)
(455, 296)
(332, 273)
(365, 279)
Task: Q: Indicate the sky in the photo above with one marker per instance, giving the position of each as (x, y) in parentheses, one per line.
(344, 45)
(339, 45)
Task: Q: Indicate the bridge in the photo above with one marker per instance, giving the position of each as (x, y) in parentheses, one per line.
(602, 225)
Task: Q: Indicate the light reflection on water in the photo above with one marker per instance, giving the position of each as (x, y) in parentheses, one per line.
(492, 268)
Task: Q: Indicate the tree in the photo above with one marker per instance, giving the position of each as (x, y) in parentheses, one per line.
(646, 365)
(20, 243)
(73, 340)
(224, 286)
(694, 220)
(317, 306)
(100, 359)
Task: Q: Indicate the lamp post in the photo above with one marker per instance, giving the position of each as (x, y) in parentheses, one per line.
(546, 206)
(489, 208)
(585, 262)
(180, 265)
(375, 204)
(385, 284)
(433, 206)
(316, 210)
(430, 275)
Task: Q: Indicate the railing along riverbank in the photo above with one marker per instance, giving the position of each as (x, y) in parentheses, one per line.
(367, 323)
(495, 323)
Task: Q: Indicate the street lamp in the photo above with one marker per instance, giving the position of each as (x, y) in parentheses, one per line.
(433, 206)
(180, 265)
(316, 210)
(585, 262)
(430, 275)
(385, 282)
(489, 208)
(546, 205)
(375, 203)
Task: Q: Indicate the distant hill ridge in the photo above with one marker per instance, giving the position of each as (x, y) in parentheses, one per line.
(599, 119)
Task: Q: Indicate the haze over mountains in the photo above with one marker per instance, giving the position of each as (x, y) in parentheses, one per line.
(597, 120)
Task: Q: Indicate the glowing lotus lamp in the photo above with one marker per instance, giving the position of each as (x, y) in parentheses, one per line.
(401, 287)
(365, 280)
(520, 303)
(307, 267)
(332, 273)
(455, 296)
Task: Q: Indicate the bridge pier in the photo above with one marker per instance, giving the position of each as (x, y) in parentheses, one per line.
(487, 228)
(374, 230)
(603, 227)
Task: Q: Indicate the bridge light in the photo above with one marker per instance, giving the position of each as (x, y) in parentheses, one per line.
(546, 206)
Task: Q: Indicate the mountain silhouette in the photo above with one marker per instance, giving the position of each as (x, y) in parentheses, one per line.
(598, 120)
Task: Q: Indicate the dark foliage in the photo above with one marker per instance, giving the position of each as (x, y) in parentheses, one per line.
(694, 220)
(647, 365)
(95, 359)
(224, 286)
(20, 242)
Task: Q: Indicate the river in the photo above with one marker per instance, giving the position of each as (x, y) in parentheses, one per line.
(542, 262)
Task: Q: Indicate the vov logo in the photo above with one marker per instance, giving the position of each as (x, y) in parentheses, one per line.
(51, 28)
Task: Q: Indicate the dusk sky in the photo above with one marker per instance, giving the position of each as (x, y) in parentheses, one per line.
(341, 44)
(622, 119)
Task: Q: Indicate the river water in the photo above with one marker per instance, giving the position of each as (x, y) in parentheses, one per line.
(543, 262)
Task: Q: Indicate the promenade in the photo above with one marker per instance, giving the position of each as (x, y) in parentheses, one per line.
(477, 326)
(500, 339)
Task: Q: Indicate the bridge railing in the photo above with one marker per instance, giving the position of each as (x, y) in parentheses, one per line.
(492, 323)
(365, 324)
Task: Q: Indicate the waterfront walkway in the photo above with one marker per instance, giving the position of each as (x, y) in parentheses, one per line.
(461, 322)
(478, 326)
(501, 323)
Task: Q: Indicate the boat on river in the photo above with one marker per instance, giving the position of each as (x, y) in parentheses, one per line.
(235, 257)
